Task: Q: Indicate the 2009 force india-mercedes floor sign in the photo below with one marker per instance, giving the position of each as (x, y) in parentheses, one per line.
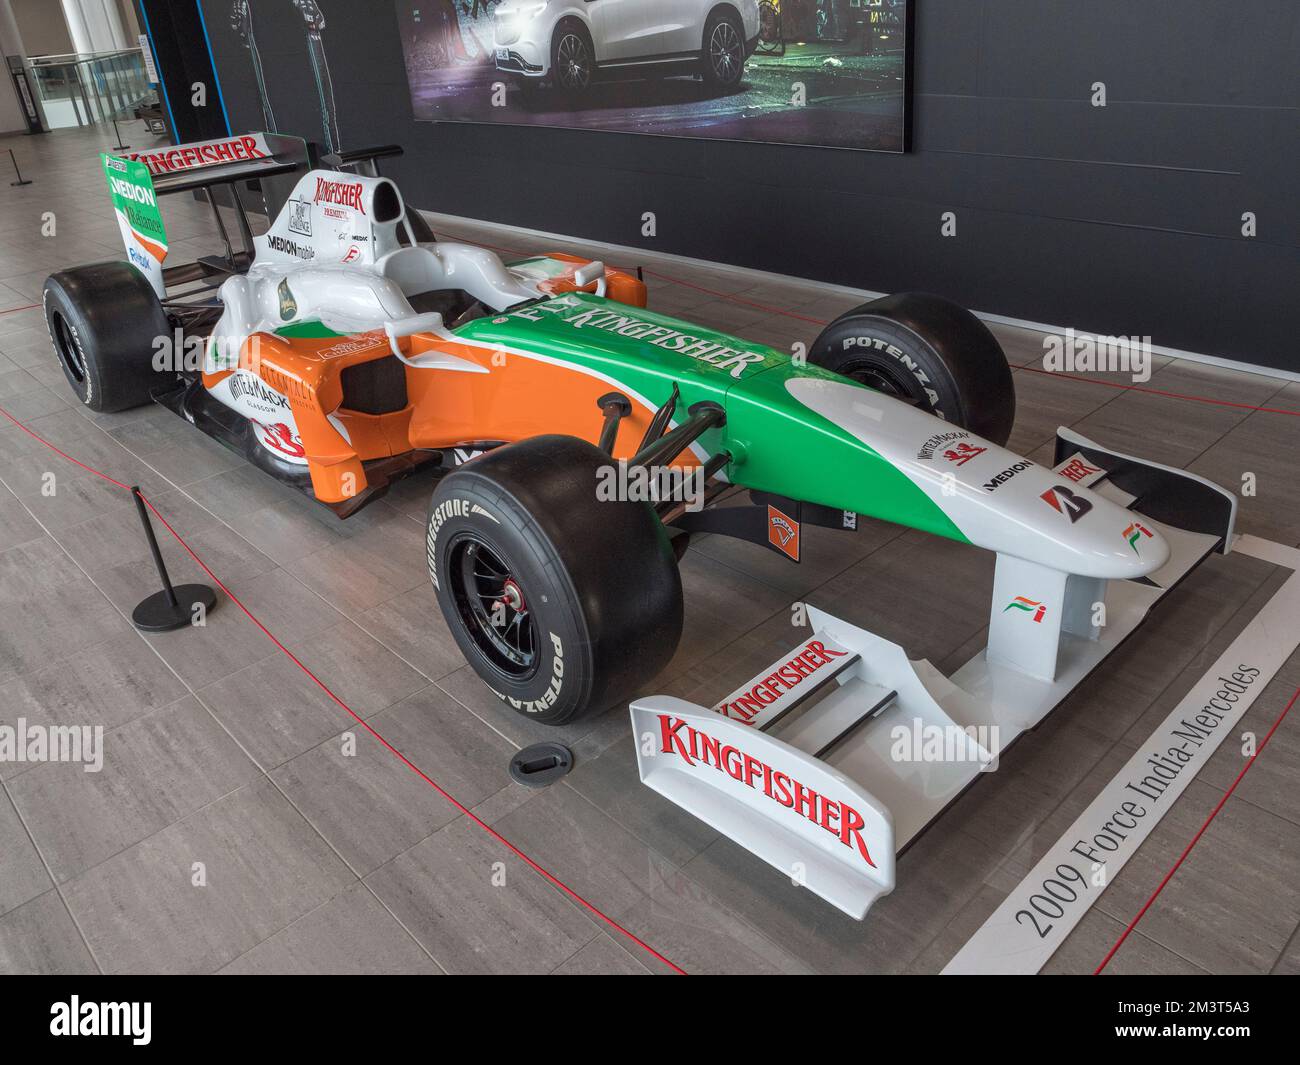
(345, 348)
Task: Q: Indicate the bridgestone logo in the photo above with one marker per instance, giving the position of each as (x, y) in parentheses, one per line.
(448, 508)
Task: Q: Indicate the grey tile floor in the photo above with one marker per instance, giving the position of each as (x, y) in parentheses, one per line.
(234, 828)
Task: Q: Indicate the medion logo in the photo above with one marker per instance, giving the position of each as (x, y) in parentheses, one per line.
(992, 484)
(121, 1019)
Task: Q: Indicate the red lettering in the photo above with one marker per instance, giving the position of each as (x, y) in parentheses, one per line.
(710, 750)
(805, 801)
(669, 727)
(732, 762)
(850, 825)
(782, 781)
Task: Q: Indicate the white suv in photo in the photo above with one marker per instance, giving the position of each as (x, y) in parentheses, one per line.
(572, 43)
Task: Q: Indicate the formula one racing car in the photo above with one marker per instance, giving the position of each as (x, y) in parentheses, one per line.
(583, 439)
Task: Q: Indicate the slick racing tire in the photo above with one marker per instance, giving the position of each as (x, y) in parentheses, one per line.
(105, 321)
(929, 352)
(724, 51)
(564, 604)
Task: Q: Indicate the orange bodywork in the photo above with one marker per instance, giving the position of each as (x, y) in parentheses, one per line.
(517, 397)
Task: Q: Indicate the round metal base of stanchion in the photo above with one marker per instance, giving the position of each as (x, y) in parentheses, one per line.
(157, 614)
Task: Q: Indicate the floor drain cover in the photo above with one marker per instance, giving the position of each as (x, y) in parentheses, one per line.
(541, 764)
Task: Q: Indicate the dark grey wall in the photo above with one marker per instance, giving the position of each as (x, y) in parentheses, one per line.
(1124, 219)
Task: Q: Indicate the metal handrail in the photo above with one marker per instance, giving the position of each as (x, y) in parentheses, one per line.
(69, 58)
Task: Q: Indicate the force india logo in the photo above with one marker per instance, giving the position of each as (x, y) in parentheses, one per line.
(1133, 536)
(697, 748)
(1029, 606)
(340, 193)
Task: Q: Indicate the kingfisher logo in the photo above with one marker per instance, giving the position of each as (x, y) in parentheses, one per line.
(783, 532)
(1133, 535)
(340, 194)
(1079, 471)
(700, 751)
(1029, 606)
(1064, 501)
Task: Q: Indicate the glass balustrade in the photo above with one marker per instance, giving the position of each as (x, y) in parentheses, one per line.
(83, 89)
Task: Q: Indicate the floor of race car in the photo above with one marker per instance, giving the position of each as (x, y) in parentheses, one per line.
(228, 831)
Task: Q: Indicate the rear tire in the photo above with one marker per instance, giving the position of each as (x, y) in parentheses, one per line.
(564, 604)
(104, 322)
(928, 351)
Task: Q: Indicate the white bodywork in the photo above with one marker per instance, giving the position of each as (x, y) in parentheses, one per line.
(333, 255)
(862, 746)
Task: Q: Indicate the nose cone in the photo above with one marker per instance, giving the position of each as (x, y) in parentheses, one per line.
(995, 498)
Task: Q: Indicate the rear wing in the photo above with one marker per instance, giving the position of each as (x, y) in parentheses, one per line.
(274, 161)
(137, 178)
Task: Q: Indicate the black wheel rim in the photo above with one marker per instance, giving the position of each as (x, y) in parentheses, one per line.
(573, 62)
(897, 383)
(725, 51)
(65, 347)
(493, 606)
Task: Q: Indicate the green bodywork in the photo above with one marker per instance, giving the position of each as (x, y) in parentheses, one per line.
(778, 445)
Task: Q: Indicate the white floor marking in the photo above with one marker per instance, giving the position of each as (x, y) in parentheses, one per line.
(1034, 920)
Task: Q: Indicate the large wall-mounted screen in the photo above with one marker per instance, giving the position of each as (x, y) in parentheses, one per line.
(831, 73)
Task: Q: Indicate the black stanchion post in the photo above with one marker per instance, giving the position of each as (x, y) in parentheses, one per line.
(119, 146)
(172, 608)
(21, 180)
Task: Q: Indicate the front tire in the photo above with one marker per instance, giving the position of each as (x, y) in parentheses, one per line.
(564, 604)
(104, 322)
(724, 51)
(573, 59)
(927, 351)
